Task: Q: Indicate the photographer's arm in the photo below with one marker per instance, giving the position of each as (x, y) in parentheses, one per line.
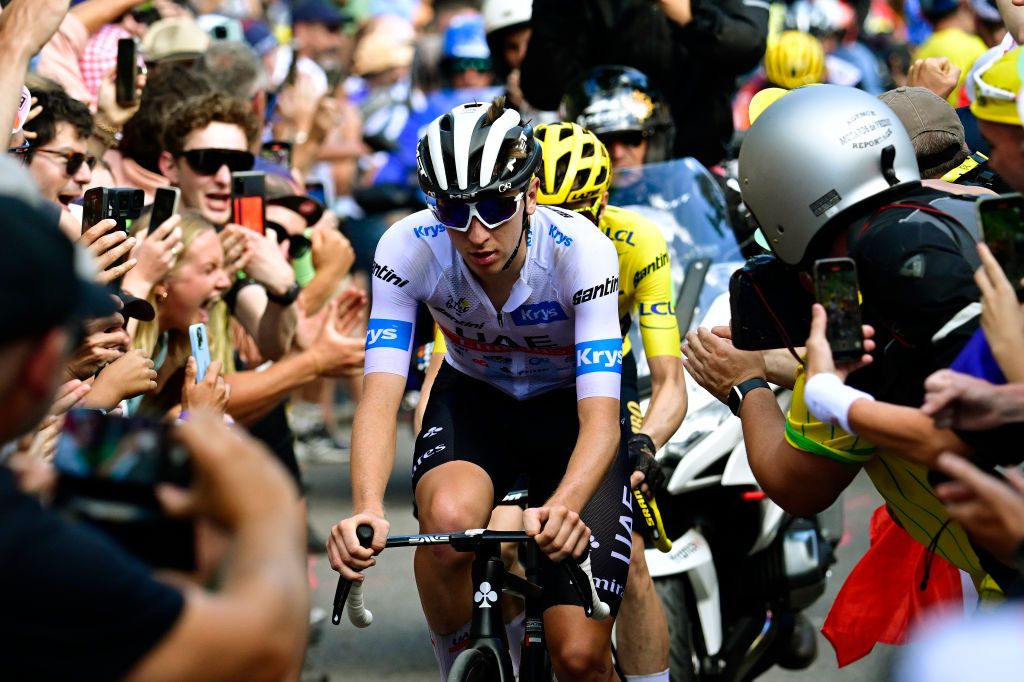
(800, 482)
(253, 626)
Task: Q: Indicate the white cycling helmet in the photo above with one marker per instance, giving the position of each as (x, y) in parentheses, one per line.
(814, 153)
(499, 14)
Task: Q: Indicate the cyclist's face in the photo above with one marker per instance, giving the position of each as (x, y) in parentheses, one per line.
(1006, 146)
(485, 251)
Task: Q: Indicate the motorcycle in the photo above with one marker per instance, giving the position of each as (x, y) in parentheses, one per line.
(740, 569)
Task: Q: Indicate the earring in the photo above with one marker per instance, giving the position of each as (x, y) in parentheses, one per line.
(162, 295)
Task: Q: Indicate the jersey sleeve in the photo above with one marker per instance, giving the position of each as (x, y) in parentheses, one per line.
(593, 279)
(652, 284)
(805, 432)
(399, 268)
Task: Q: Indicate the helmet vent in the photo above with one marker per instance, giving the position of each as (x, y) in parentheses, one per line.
(587, 151)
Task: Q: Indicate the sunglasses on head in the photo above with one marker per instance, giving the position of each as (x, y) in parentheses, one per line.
(630, 138)
(209, 161)
(74, 159)
(456, 215)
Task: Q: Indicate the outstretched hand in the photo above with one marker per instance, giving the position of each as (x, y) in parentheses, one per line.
(819, 352)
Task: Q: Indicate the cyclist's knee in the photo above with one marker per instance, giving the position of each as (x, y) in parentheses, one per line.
(638, 572)
(581, 658)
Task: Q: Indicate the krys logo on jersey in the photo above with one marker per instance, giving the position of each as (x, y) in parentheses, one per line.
(429, 231)
(602, 355)
(538, 313)
(383, 333)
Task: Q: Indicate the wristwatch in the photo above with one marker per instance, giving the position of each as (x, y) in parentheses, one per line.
(288, 297)
(739, 392)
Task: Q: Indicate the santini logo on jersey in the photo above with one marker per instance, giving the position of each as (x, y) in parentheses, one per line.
(649, 268)
(603, 355)
(538, 313)
(428, 231)
(388, 334)
(609, 286)
(386, 274)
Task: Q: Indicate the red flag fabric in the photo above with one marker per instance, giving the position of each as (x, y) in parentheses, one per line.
(881, 600)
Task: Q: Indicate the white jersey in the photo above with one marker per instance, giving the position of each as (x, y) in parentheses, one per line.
(559, 325)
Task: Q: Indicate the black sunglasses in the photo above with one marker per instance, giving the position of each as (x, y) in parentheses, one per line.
(74, 159)
(298, 245)
(630, 138)
(463, 64)
(209, 161)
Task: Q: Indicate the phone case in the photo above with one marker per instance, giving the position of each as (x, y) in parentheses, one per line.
(200, 349)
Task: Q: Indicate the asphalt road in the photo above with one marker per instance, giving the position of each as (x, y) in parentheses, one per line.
(396, 648)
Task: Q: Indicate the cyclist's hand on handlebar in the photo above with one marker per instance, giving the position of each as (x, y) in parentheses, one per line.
(347, 556)
(647, 473)
(558, 530)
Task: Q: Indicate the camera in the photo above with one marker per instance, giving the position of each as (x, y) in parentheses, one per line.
(770, 306)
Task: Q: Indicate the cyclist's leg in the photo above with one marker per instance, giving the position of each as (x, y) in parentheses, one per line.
(642, 634)
(580, 648)
(457, 467)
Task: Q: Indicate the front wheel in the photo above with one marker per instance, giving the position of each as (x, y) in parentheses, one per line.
(475, 665)
(676, 595)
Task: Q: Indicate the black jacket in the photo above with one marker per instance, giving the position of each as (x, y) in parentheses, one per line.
(695, 66)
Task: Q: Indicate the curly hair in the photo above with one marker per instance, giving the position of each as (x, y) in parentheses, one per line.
(199, 112)
(58, 107)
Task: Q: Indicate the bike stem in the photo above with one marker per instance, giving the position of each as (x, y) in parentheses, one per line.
(488, 583)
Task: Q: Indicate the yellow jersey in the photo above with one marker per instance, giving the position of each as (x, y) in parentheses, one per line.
(903, 484)
(645, 283)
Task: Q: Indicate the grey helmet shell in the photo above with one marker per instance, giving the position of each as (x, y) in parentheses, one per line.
(815, 153)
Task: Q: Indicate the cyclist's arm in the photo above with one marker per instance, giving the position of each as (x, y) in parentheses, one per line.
(593, 455)
(373, 440)
(668, 399)
(660, 335)
(904, 430)
(802, 483)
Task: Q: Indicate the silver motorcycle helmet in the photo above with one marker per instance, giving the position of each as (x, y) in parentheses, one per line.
(815, 153)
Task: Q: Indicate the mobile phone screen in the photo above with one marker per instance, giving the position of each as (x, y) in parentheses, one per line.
(200, 349)
(317, 191)
(1002, 222)
(108, 468)
(835, 282)
(165, 205)
(127, 71)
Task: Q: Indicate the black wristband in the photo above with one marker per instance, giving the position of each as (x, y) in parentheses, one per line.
(288, 297)
(740, 391)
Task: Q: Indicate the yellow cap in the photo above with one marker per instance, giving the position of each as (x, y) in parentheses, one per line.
(762, 100)
(995, 90)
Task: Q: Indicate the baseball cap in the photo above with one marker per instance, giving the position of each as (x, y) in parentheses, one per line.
(922, 111)
(381, 50)
(177, 37)
(996, 88)
(987, 10)
(45, 280)
(260, 38)
(281, 193)
(318, 12)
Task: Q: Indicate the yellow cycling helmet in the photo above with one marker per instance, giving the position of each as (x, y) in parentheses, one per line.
(794, 59)
(996, 88)
(575, 165)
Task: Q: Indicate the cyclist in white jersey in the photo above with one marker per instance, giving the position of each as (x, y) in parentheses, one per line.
(527, 298)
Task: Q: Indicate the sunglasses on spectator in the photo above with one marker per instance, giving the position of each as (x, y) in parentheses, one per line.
(463, 64)
(630, 138)
(298, 245)
(74, 159)
(209, 161)
(456, 215)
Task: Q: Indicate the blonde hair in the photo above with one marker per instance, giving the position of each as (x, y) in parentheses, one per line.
(147, 336)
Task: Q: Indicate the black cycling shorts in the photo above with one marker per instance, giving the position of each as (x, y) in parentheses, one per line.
(469, 420)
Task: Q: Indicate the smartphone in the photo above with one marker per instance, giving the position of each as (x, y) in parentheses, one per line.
(127, 72)
(835, 286)
(123, 204)
(200, 348)
(317, 191)
(278, 152)
(1002, 224)
(248, 200)
(165, 205)
(108, 469)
